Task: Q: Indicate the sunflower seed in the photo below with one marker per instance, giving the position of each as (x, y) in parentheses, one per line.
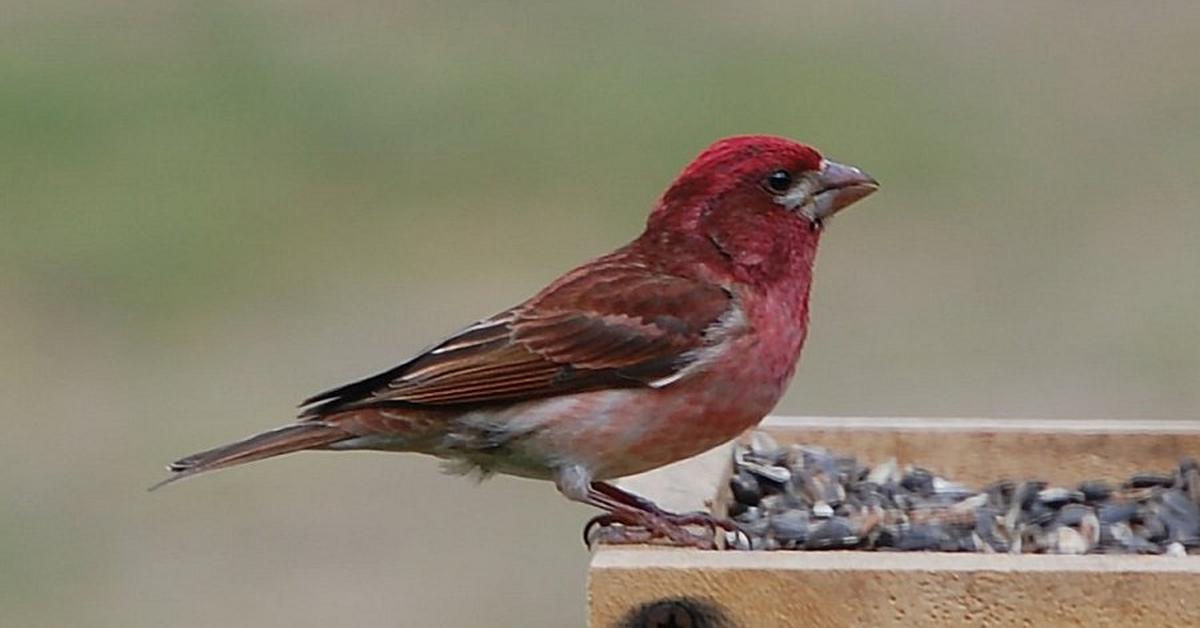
(805, 497)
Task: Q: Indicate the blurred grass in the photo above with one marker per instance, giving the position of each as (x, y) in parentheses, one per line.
(210, 210)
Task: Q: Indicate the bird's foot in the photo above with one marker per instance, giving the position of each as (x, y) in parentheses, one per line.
(635, 528)
(629, 510)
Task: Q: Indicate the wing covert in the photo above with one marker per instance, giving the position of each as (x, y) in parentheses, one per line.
(616, 325)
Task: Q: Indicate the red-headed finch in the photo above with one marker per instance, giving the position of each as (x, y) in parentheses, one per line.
(660, 350)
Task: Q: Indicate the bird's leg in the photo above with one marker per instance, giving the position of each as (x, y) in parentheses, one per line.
(627, 519)
(684, 519)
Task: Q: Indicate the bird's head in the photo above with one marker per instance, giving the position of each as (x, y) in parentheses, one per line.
(760, 200)
(761, 173)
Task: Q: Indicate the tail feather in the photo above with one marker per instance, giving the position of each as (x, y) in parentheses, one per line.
(279, 441)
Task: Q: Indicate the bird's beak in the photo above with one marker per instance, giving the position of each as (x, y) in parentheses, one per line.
(838, 186)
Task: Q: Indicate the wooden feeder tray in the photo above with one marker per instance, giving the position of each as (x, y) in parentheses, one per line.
(661, 587)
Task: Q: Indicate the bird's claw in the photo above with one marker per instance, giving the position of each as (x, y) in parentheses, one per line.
(603, 521)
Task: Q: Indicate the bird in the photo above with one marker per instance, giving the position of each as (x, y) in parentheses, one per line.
(664, 348)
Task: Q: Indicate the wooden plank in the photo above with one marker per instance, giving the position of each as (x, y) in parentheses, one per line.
(697, 588)
(789, 589)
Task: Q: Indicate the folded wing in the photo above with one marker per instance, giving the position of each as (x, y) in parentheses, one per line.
(612, 325)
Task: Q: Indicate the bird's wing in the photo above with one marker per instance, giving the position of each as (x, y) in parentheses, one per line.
(614, 325)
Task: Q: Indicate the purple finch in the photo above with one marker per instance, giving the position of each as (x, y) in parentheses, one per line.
(660, 350)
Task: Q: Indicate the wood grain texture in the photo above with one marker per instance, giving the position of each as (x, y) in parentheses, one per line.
(792, 589)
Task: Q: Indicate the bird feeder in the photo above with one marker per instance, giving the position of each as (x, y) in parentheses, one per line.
(660, 587)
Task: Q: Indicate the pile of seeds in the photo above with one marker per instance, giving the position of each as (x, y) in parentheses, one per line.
(801, 497)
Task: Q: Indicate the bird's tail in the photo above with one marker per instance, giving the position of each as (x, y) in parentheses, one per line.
(279, 441)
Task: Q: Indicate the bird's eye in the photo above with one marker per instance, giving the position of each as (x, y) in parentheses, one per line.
(779, 181)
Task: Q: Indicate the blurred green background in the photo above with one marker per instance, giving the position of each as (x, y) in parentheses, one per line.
(209, 210)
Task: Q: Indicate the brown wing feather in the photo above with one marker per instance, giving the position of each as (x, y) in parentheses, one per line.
(612, 325)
